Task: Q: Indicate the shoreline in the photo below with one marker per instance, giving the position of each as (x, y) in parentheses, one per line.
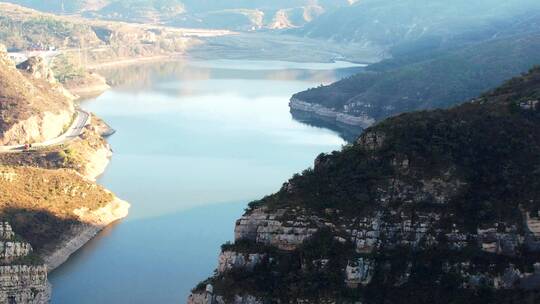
(87, 91)
(131, 61)
(331, 115)
(92, 223)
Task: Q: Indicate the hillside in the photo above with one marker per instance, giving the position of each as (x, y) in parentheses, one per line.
(33, 107)
(428, 207)
(48, 194)
(90, 41)
(425, 81)
(40, 203)
(429, 23)
(235, 14)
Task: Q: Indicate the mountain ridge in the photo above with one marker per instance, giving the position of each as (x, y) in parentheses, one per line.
(427, 207)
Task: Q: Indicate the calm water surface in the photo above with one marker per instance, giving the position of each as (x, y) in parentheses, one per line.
(196, 142)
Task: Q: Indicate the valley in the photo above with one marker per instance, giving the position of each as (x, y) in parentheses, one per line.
(388, 149)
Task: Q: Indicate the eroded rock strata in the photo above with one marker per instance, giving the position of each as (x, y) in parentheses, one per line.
(429, 207)
(23, 279)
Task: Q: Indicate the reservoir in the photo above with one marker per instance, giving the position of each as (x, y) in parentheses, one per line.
(195, 143)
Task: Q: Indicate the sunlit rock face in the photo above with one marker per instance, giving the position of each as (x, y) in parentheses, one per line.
(33, 106)
(21, 281)
(267, 228)
(230, 260)
(37, 68)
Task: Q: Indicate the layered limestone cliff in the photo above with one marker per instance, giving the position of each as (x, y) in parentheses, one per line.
(332, 115)
(20, 282)
(209, 298)
(428, 207)
(232, 260)
(33, 107)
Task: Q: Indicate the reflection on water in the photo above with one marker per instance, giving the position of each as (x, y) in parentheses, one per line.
(190, 139)
(145, 76)
(347, 132)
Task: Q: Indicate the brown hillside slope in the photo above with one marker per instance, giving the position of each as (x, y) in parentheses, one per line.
(32, 107)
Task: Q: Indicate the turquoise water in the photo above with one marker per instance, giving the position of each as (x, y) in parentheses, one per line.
(195, 142)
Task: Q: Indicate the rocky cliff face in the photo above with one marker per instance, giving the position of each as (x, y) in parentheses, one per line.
(20, 282)
(360, 120)
(430, 207)
(33, 107)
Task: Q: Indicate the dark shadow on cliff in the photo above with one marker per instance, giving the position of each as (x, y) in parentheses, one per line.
(42, 229)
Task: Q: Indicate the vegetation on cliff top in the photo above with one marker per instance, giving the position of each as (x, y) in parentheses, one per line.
(438, 79)
(484, 157)
(490, 144)
(23, 96)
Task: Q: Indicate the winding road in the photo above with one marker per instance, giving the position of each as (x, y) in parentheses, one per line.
(74, 131)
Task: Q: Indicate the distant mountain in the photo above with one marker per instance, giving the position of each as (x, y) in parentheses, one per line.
(442, 80)
(27, 29)
(233, 14)
(392, 23)
(454, 57)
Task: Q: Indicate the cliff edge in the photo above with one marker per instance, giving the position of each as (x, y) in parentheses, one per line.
(429, 207)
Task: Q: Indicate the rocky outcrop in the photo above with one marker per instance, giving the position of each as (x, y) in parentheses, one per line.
(6, 232)
(98, 162)
(372, 140)
(24, 284)
(38, 128)
(363, 121)
(208, 297)
(359, 272)
(37, 68)
(12, 250)
(33, 107)
(268, 228)
(231, 260)
(94, 150)
(19, 282)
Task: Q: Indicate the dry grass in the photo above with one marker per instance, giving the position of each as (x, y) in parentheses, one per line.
(73, 155)
(39, 202)
(22, 97)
